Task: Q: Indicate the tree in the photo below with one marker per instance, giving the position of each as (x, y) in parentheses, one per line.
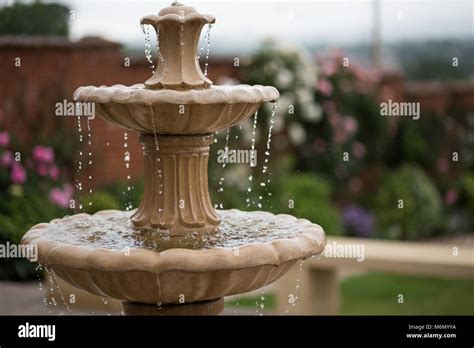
(35, 19)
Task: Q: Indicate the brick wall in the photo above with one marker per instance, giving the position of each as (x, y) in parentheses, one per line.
(52, 68)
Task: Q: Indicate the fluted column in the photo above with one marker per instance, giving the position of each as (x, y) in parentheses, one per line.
(176, 195)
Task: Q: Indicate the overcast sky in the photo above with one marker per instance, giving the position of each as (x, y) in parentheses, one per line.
(243, 23)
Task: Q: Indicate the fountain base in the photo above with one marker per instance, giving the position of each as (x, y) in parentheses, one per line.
(213, 307)
(103, 255)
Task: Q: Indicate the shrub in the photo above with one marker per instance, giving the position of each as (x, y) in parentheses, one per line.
(100, 200)
(31, 192)
(408, 205)
(311, 197)
(421, 141)
(468, 189)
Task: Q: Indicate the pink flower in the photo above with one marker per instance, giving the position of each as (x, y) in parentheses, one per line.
(451, 197)
(329, 68)
(334, 120)
(7, 159)
(350, 124)
(43, 154)
(18, 174)
(343, 127)
(61, 197)
(54, 173)
(329, 106)
(359, 150)
(4, 139)
(42, 169)
(325, 87)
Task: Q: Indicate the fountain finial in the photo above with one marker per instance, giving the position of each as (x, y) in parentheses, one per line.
(178, 28)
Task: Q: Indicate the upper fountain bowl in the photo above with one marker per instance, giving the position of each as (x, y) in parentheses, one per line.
(166, 111)
(178, 99)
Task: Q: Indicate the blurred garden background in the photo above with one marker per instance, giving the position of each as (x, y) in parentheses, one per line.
(334, 159)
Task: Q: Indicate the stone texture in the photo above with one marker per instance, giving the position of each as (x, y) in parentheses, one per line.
(150, 277)
(176, 195)
(198, 111)
(179, 28)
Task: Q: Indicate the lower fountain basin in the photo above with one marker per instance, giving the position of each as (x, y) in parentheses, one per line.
(165, 111)
(103, 255)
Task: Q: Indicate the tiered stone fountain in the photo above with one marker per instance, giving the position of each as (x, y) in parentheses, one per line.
(175, 254)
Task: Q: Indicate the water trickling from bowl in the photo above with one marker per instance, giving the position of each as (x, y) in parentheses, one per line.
(89, 162)
(79, 160)
(53, 282)
(265, 178)
(128, 192)
(148, 55)
(208, 49)
(254, 135)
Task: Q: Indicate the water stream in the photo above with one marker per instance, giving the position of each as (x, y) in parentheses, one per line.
(89, 162)
(79, 160)
(148, 55)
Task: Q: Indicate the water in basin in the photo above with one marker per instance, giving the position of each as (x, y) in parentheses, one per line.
(115, 231)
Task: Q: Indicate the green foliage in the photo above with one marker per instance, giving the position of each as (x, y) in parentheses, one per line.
(351, 126)
(123, 195)
(421, 215)
(19, 212)
(468, 192)
(20, 209)
(100, 200)
(113, 196)
(31, 192)
(311, 198)
(419, 141)
(34, 19)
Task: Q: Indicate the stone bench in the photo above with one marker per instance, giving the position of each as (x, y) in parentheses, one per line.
(315, 283)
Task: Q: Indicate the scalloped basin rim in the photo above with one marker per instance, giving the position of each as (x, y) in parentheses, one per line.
(276, 252)
(139, 94)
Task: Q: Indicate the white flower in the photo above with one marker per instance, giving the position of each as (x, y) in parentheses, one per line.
(304, 96)
(296, 133)
(279, 124)
(284, 102)
(312, 112)
(284, 78)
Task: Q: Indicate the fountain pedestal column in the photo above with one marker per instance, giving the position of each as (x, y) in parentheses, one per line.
(212, 307)
(176, 196)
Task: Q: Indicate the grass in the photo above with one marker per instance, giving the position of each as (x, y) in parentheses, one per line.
(269, 302)
(377, 294)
